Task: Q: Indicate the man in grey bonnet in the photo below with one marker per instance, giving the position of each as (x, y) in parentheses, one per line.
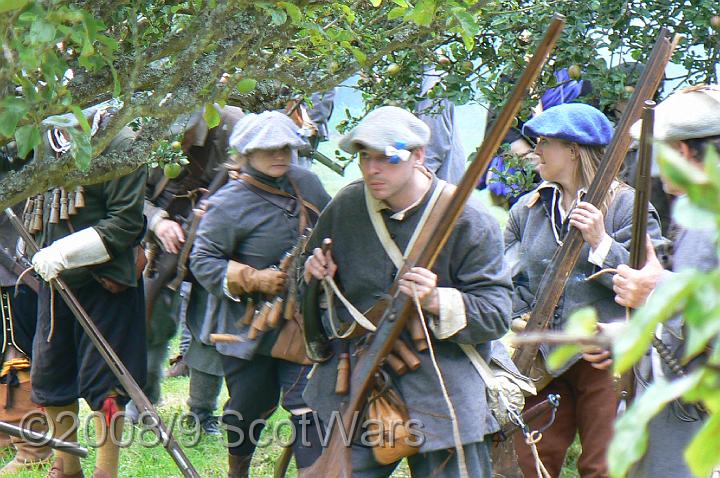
(465, 298)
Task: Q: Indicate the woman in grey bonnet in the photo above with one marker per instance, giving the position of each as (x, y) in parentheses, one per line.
(249, 225)
(571, 142)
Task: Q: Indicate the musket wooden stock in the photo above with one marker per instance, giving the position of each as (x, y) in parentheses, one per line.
(113, 361)
(334, 462)
(563, 262)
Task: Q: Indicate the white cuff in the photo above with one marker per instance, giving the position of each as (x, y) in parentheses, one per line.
(82, 248)
(226, 289)
(452, 313)
(156, 218)
(599, 254)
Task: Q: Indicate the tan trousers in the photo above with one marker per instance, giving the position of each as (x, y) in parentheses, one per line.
(588, 404)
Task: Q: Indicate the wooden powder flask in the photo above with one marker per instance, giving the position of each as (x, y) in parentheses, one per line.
(37, 223)
(79, 197)
(259, 324)
(401, 349)
(72, 209)
(417, 333)
(342, 382)
(278, 304)
(396, 364)
(249, 312)
(275, 313)
(28, 212)
(55, 207)
(290, 304)
(64, 205)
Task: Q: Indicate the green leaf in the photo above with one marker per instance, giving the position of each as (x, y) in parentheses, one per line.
(701, 454)
(630, 439)
(80, 117)
(690, 216)
(349, 14)
(396, 12)
(702, 315)
(12, 110)
(42, 32)
(359, 55)
(7, 5)
(423, 13)
(81, 149)
(466, 21)
(246, 85)
(278, 17)
(211, 115)
(376, 3)
(691, 179)
(582, 322)
(293, 11)
(712, 166)
(663, 303)
(27, 137)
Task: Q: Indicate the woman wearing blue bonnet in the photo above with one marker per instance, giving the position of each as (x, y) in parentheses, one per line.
(571, 142)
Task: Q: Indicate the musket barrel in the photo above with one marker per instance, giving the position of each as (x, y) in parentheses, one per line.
(33, 437)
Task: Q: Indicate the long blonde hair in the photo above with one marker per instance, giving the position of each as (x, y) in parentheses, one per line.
(589, 158)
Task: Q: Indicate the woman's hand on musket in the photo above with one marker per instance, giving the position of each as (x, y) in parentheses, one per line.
(425, 282)
(590, 222)
(319, 265)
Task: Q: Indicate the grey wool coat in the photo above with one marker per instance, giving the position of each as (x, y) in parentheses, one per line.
(671, 430)
(471, 262)
(243, 226)
(530, 245)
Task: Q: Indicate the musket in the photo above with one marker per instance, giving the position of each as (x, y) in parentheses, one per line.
(11, 264)
(330, 163)
(334, 461)
(643, 185)
(563, 262)
(113, 361)
(40, 439)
